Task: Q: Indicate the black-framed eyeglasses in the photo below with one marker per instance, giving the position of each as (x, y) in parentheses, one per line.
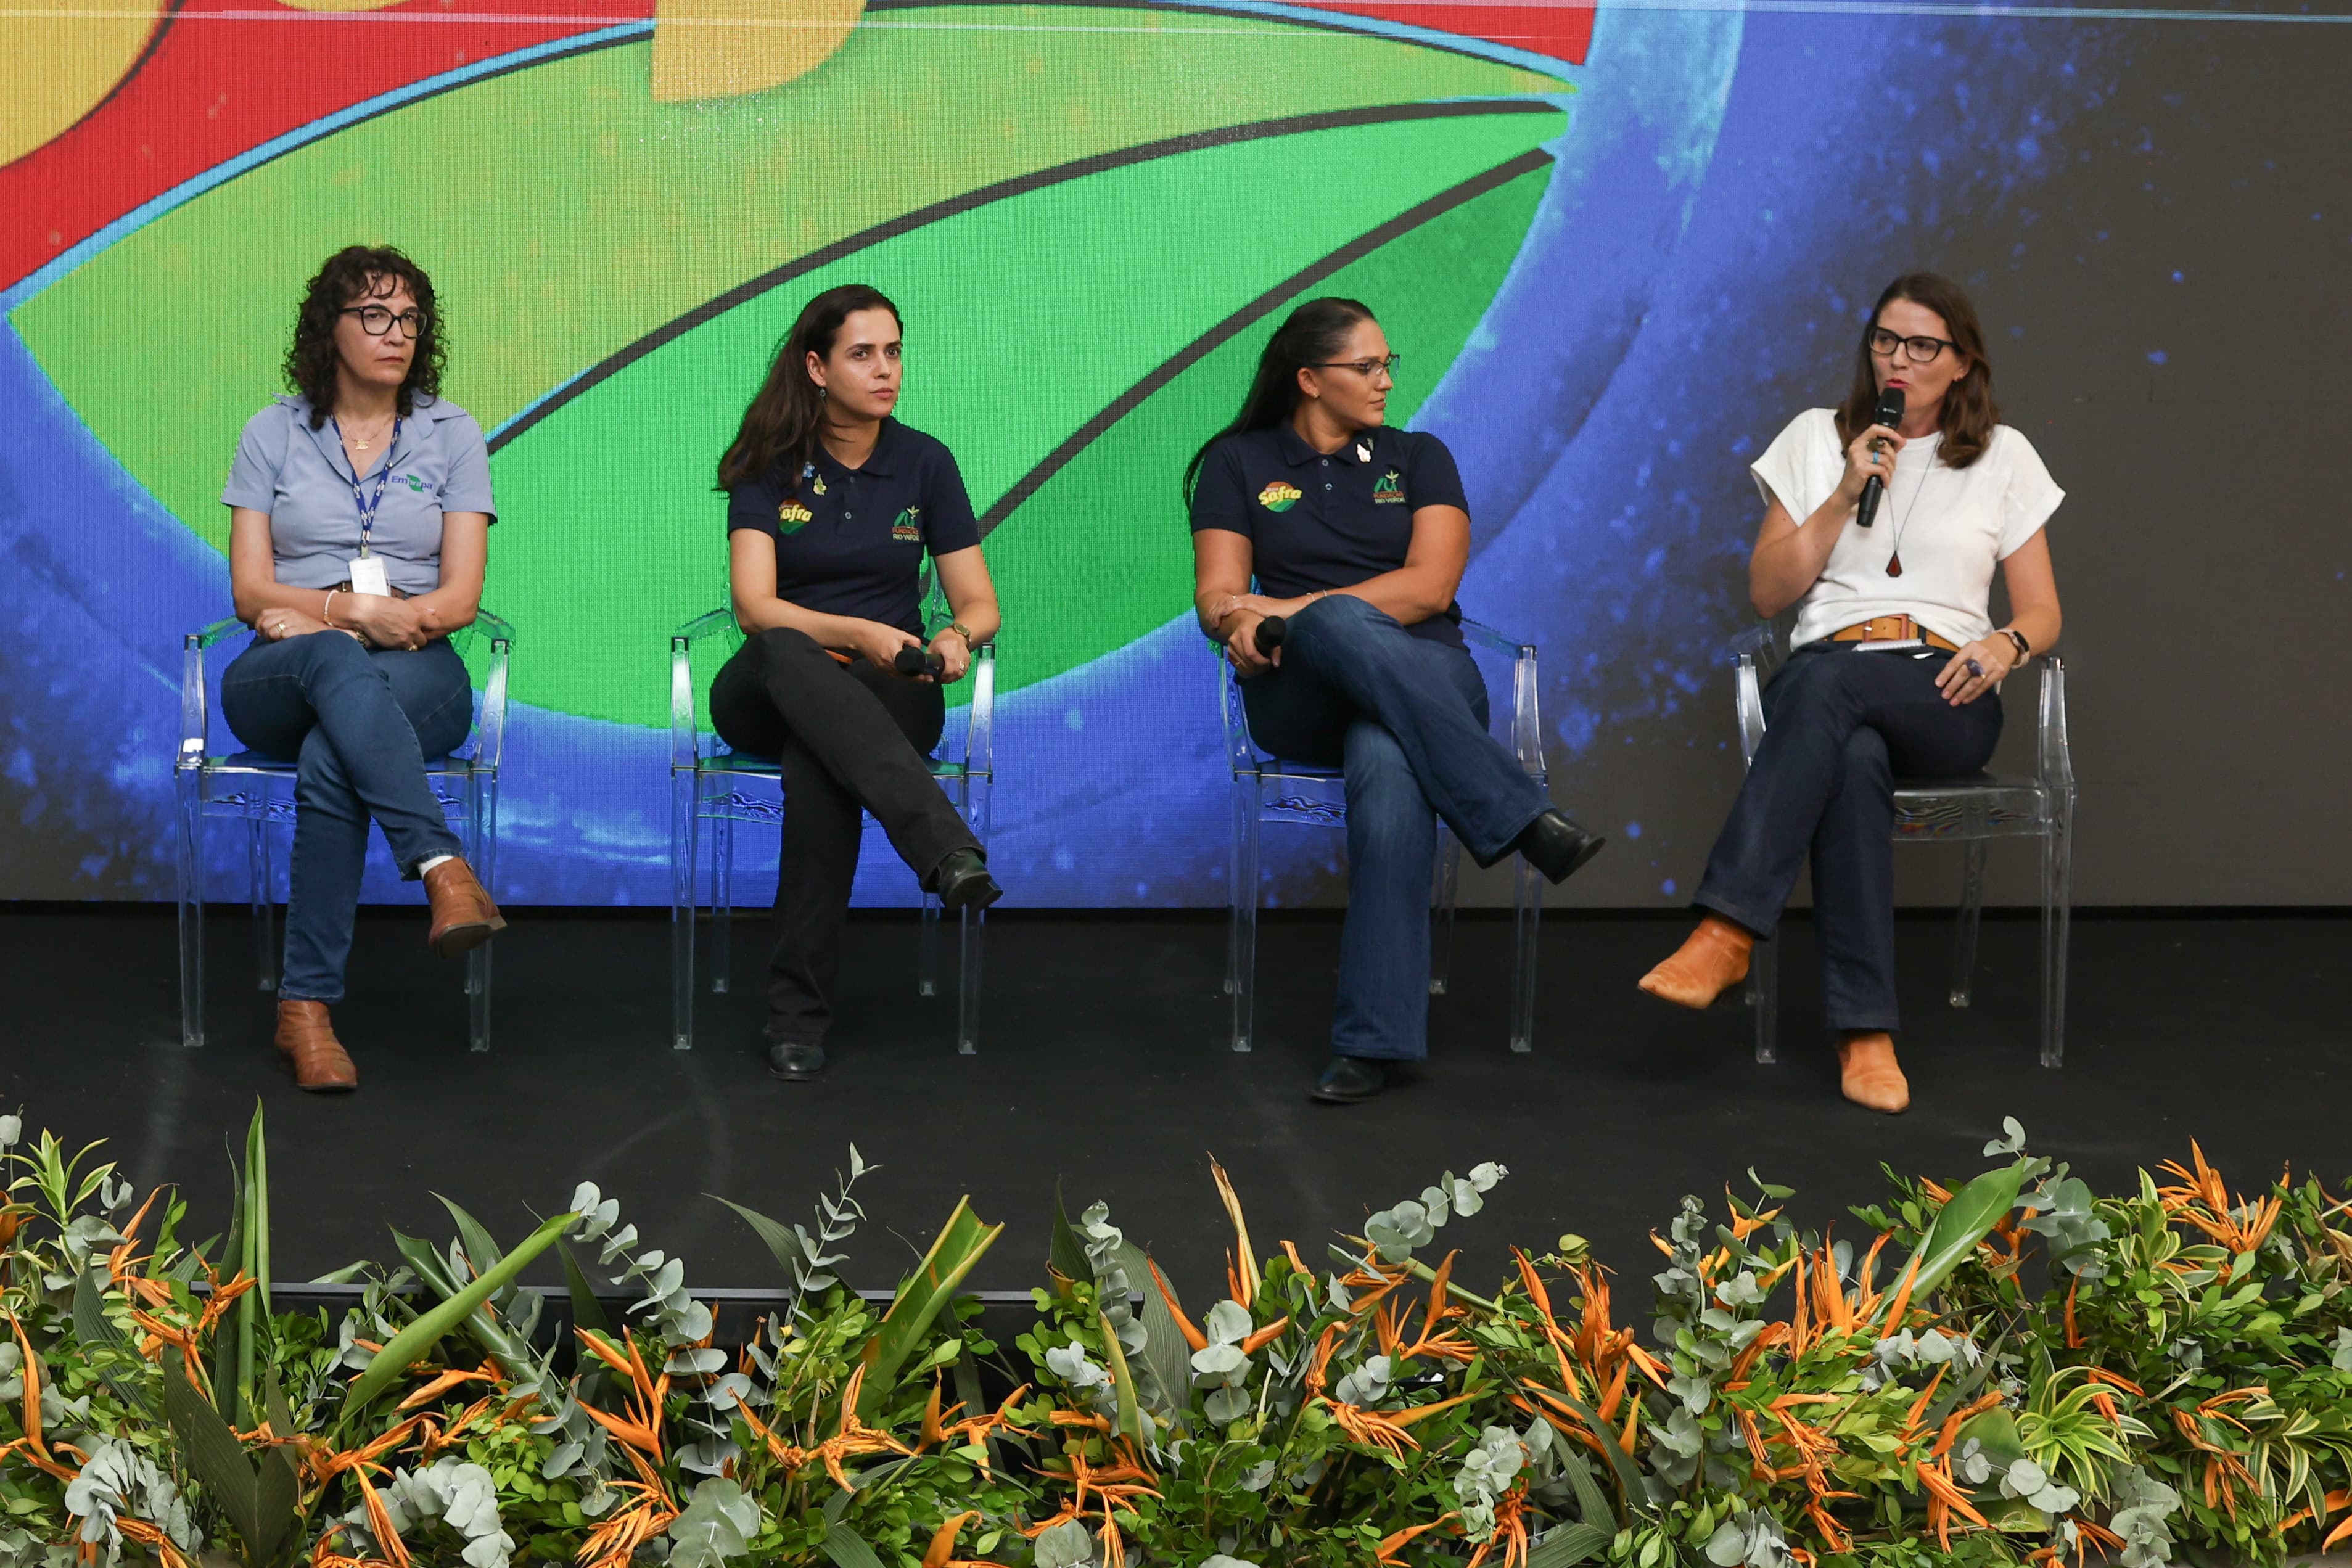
(1921, 349)
(1367, 369)
(375, 320)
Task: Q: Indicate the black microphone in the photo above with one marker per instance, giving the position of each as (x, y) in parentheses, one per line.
(913, 661)
(1890, 414)
(1270, 634)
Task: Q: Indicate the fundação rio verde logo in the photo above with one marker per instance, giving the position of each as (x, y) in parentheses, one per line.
(906, 526)
(1389, 489)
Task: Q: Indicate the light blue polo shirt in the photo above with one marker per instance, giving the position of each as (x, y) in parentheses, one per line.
(302, 478)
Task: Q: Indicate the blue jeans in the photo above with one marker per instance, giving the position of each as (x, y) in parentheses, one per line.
(1405, 718)
(1840, 728)
(358, 723)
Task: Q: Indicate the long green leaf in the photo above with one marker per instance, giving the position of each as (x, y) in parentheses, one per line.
(1132, 1422)
(1569, 1544)
(216, 1457)
(849, 1548)
(411, 1343)
(960, 1244)
(587, 1311)
(481, 1251)
(1164, 1350)
(1628, 1474)
(1065, 1255)
(1963, 1224)
(1592, 1502)
(778, 1238)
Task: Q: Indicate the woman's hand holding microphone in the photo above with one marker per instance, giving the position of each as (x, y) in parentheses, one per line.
(1870, 457)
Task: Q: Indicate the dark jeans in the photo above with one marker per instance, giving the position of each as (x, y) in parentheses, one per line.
(851, 739)
(1406, 718)
(358, 723)
(1840, 728)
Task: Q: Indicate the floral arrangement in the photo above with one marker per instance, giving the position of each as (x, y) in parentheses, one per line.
(2012, 1370)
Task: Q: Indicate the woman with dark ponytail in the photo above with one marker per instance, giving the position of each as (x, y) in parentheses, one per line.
(832, 506)
(1309, 507)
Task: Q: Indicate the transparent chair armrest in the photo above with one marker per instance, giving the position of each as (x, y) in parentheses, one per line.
(497, 627)
(1478, 634)
(1241, 755)
(1760, 641)
(194, 717)
(217, 631)
(2055, 760)
(980, 727)
(702, 626)
(491, 729)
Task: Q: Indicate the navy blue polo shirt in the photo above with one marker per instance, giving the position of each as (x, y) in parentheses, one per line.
(1319, 522)
(850, 541)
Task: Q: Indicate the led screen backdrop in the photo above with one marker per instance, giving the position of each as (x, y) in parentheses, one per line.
(1617, 247)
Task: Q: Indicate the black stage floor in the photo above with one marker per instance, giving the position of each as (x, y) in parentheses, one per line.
(1104, 1064)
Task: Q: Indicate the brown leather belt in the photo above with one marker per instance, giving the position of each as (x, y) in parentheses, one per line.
(1892, 629)
(345, 587)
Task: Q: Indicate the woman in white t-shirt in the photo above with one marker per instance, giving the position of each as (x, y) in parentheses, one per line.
(1897, 665)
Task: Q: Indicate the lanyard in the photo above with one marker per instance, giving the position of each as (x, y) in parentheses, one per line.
(365, 503)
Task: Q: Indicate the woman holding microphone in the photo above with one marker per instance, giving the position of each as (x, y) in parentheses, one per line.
(1897, 664)
(359, 531)
(832, 506)
(1357, 536)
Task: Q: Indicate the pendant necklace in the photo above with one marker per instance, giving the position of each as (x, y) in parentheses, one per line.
(1895, 555)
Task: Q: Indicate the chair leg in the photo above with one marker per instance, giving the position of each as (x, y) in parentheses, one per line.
(684, 788)
(973, 935)
(1527, 919)
(1241, 962)
(1448, 877)
(481, 792)
(2057, 917)
(478, 997)
(722, 901)
(189, 837)
(1969, 921)
(927, 948)
(257, 893)
(1764, 999)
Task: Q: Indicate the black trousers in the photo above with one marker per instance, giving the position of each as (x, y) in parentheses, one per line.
(1840, 728)
(852, 739)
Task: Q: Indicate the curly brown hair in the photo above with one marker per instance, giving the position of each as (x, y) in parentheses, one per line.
(354, 273)
(1969, 411)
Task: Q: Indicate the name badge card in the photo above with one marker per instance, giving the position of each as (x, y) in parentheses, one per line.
(367, 576)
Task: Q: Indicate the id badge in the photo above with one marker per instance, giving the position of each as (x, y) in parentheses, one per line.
(367, 576)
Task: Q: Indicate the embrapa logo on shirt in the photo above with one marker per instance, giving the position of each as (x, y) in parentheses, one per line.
(1389, 488)
(792, 517)
(1278, 496)
(907, 528)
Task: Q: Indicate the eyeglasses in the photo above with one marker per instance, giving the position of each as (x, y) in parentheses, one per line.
(375, 320)
(1922, 350)
(1367, 369)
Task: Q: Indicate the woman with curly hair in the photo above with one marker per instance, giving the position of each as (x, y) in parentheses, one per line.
(358, 519)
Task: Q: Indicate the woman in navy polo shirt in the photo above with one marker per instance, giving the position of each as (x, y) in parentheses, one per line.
(1357, 536)
(830, 506)
(359, 526)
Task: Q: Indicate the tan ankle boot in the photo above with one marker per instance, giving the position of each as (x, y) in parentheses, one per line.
(1871, 1075)
(463, 916)
(1711, 960)
(321, 1063)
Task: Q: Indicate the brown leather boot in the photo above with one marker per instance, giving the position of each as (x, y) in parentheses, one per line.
(1871, 1075)
(321, 1065)
(1711, 960)
(463, 916)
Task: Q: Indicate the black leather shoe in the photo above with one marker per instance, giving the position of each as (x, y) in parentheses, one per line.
(795, 1059)
(1352, 1079)
(1554, 845)
(962, 882)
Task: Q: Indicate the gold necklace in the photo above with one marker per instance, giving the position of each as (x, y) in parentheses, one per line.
(363, 445)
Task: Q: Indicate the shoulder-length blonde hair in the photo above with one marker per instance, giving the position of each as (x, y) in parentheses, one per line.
(1969, 411)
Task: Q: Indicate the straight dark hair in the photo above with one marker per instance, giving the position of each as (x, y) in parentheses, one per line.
(1309, 336)
(786, 413)
(354, 273)
(1969, 411)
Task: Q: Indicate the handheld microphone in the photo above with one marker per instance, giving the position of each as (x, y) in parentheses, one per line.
(1890, 414)
(913, 661)
(1270, 634)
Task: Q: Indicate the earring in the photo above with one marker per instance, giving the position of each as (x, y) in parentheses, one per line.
(820, 394)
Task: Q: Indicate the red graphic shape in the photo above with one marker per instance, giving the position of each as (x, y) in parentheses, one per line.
(1556, 31)
(228, 76)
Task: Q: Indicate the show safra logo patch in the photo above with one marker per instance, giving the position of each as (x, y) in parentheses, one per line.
(1278, 496)
(1390, 488)
(907, 528)
(792, 517)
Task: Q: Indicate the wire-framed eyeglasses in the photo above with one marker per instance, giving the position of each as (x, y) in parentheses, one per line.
(375, 320)
(1921, 349)
(1367, 369)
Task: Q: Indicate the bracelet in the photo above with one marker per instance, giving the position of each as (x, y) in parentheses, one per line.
(327, 609)
(2024, 648)
(962, 631)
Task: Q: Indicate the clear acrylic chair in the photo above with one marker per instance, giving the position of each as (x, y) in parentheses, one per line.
(1269, 789)
(712, 785)
(1968, 812)
(259, 791)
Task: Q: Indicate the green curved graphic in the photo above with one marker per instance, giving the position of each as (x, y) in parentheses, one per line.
(558, 236)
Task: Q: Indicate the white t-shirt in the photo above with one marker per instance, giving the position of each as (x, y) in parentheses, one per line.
(1952, 525)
